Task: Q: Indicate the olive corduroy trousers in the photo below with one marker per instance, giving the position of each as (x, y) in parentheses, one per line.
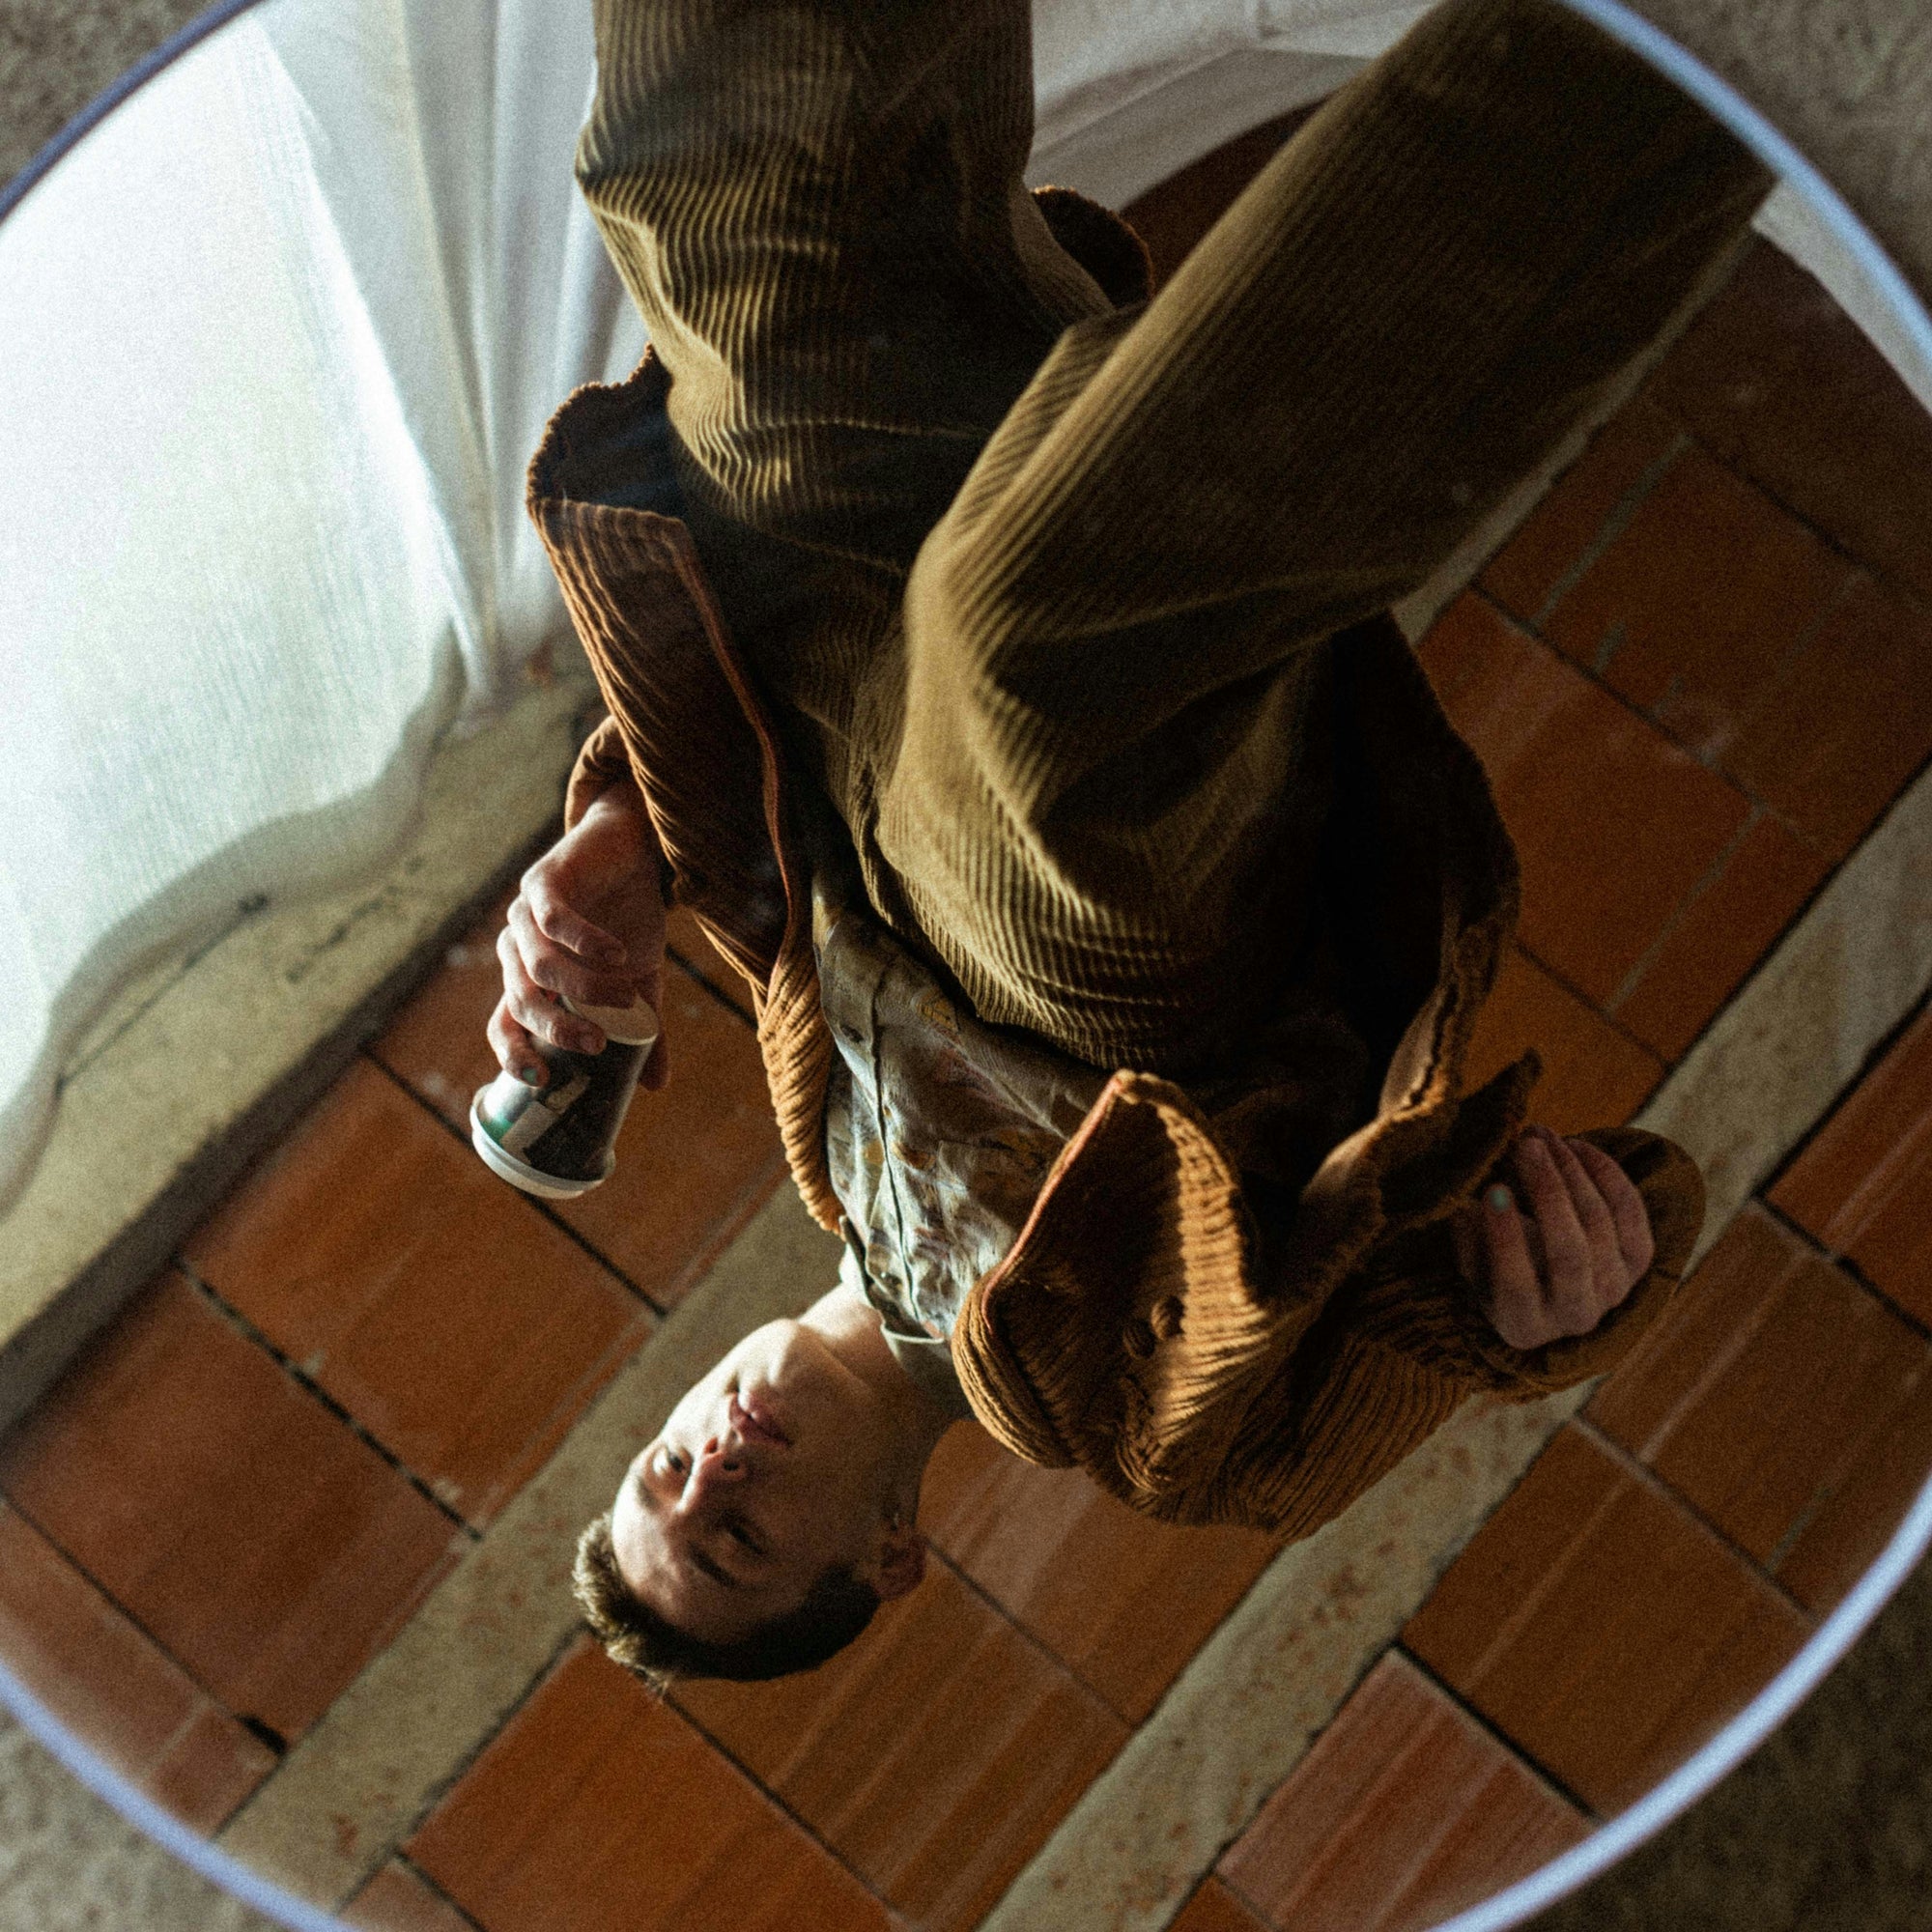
(1043, 592)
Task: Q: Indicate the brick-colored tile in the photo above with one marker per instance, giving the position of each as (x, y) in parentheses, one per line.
(1592, 1075)
(935, 1755)
(114, 1689)
(225, 1508)
(1213, 1908)
(1174, 215)
(213, 1766)
(694, 1160)
(1124, 1601)
(435, 1042)
(1763, 1385)
(1780, 384)
(1853, 1524)
(1861, 1184)
(685, 940)
(458, 1324)
(1405, 1812)
(1589, 503)
(1719, 937)
(400, 1899)
(1615, 825)
(1599, 1625)
(1834, 737)
(600, 1809)
(1698, 600)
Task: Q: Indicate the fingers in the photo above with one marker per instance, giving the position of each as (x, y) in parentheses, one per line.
(535, 1010)
(1515, 1308)
(547, 971)
(515, 1050)
(1584, 1243)
(1607, 1279)
(1635, 1242)
(1569, 1272)
(564, 927)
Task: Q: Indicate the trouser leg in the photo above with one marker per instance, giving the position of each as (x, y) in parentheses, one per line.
(819, 211)
(1105, 798)
(1082, 749)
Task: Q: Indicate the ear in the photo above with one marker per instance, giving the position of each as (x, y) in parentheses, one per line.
(900, 1563)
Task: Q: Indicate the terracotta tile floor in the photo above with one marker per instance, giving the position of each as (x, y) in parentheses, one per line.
(1699, 673)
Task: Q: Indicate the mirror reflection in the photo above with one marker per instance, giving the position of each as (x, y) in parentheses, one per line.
(1102, 992)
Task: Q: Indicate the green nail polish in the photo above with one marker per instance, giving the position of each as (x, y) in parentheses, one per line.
(1499, 1200)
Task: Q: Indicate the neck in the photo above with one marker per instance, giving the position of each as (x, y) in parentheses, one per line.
(850, 1326)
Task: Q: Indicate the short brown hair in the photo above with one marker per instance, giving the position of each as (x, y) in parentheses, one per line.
(837, 1607)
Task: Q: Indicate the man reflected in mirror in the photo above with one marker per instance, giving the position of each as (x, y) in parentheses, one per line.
(1000, 667)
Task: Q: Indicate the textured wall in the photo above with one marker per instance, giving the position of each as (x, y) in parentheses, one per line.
(1849, 82)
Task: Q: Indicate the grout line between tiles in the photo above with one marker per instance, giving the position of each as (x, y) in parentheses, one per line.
(430, 1884)
(266, 1734)
(1916, 1011)
(1849, 1268)
(1033, 1640)
(433, 1795)
(1642, 1472)
(1856, 574)
(1619, 519)
(540, 1207)
(1540, 1771)
(1629, 704)
(1669, 930)
(1240, 1898)
(309, 1386)
(1611, 1020)
(711, 986)
(758, 1784)
(1710, 761)
(724, 1231)
(1906, 593)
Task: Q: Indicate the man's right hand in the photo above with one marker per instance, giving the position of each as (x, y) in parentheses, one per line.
(588, 922)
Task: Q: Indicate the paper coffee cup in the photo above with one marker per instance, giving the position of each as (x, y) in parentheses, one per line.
(559, 1140)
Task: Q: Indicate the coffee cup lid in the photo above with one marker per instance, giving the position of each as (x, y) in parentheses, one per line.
(635, 1025)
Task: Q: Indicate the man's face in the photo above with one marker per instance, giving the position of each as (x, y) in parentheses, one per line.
(775, 1467)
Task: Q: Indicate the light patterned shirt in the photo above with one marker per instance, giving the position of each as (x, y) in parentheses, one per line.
(939, 1130)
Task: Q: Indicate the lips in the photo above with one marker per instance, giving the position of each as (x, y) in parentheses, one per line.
(751, 1418)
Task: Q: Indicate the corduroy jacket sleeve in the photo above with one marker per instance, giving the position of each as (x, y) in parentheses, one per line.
(1417, 1301)
(1402, 1345)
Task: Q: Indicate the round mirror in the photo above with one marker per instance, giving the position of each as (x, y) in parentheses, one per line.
(303, 1405)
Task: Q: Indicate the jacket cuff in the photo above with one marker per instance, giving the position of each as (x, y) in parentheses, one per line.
(600, 762)
(1417, 1301)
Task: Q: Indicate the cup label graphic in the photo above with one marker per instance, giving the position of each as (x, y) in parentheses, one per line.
(558, 1140)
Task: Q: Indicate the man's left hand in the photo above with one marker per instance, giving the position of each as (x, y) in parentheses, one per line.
(1557, 1269)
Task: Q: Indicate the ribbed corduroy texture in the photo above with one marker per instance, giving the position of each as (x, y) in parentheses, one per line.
(1080, 746)
(1069, 609)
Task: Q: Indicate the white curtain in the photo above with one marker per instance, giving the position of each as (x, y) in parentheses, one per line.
(276, 340)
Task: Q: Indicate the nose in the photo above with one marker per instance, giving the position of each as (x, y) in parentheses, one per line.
(719, 1463)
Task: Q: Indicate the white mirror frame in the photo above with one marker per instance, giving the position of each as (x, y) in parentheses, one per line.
(1829, 1643)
